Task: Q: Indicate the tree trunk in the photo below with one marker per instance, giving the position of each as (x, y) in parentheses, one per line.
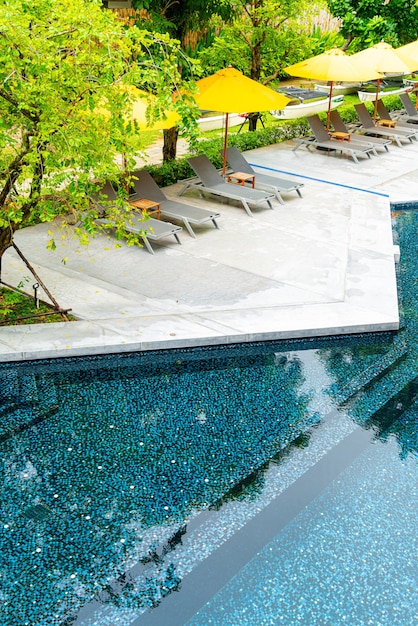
(347, 42)
(6, 237)
(170, 144)
(252, 121)
(255, 71)
(255, 74)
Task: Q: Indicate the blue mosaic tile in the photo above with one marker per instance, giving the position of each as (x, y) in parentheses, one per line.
(348, 558)
(120, 474)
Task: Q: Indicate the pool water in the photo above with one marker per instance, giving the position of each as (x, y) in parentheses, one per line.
(257, 484)
(349, 557)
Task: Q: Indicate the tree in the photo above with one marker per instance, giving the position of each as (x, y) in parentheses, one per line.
(280, 47)
(260, 41)
(62, 67)
(366, 22)
(179, 18)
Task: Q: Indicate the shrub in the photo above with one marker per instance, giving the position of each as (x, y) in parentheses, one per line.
(169, 173)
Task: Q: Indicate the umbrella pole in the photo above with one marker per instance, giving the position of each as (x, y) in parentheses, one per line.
(225, 144)
(376, 99)
(415, 89)
(329, 105)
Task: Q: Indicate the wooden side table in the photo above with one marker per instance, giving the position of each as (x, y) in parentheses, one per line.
(386, 123)
(240, 178)
(340, 136)
(149, 206)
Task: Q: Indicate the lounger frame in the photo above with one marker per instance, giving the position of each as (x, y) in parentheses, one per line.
(210, 181)
(146, 187)
(149, 229)
(321, 139)
(263, 181)
(370, 127)
(384, 114)
(409, 107)
(376, 142)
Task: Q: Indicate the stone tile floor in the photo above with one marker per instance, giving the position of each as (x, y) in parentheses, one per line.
(320, 265)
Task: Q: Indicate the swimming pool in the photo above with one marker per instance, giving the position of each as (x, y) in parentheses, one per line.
(263, 484)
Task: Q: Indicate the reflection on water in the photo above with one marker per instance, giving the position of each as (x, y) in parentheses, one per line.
(349, 557)
(108, 464)
(99, 469)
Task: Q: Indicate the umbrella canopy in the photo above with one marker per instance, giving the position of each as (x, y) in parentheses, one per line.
(140, 114)
(383, 59)
(140, 107)
(409, 55)
(229, 91)
(136, 107)
(332, 66)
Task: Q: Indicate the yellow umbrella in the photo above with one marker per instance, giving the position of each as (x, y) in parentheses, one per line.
(409, 55)
(229, 91)
(383, 59)
(331, 66)
(141, 113)
(140, 108)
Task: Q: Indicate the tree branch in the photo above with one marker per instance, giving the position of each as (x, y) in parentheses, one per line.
(38, 173)
(14, 169)
(347, 42)
(9, 98)
(273, 76)
(64, 32)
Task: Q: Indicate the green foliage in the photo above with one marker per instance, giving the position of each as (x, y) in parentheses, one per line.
(366, 22)
(65, 74)
(322, 41)
(264, 39)
(205, 40)
(172, 171)
(184, 16)
(169, 173)
(279, 48)
(226, 49)
(15, 305)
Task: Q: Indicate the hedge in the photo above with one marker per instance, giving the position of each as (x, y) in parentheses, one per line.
(169, 173)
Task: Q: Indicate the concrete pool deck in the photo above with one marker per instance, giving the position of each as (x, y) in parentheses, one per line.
(319, 265)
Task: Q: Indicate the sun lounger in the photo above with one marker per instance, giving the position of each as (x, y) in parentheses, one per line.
(150, 229)
(376, 142)
(398, 135)
(278, 185)
(409, 107)
(212, 182)
(104, 199)
(384, 114)
(146, 187)
(322, 140)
